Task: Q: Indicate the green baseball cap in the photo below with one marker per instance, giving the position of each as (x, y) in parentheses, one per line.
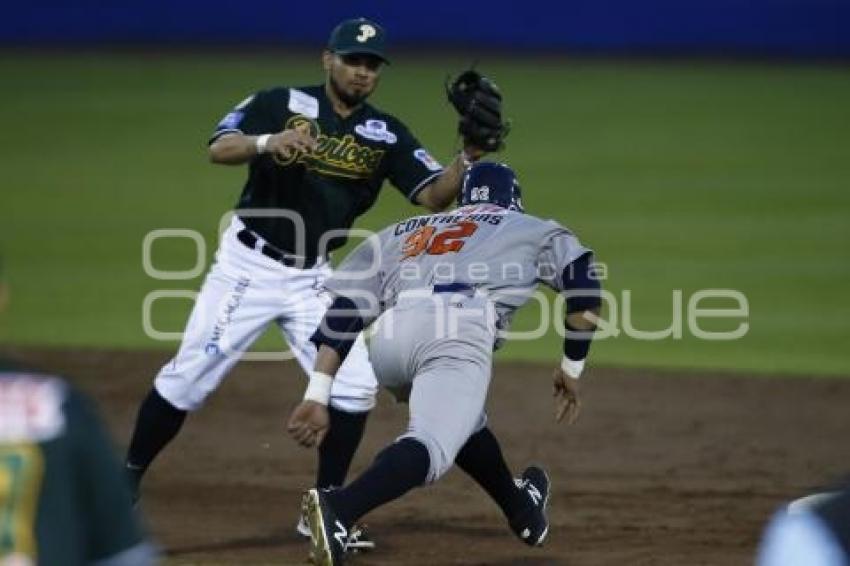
(358, 35)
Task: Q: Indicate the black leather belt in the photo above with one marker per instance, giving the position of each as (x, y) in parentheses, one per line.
(461, 288)
(249, 239)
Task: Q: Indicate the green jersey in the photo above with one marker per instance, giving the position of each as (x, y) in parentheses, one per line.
(63, 497)
(330, 187)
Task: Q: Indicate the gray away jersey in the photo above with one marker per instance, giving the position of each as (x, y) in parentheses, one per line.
(502, 252)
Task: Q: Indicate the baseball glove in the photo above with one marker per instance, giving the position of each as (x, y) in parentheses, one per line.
(478, 101)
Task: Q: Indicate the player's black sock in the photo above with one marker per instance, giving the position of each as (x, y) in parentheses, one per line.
(338, 447)
(399, 467)
(157, 423)
(481, 458)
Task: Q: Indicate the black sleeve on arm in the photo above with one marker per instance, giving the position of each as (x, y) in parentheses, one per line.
(411, 165)
(581, 285)
(583, 293)
(340, 326)
(252, 116)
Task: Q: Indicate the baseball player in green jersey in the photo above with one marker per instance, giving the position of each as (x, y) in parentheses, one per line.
(63, 497)
(317, 158)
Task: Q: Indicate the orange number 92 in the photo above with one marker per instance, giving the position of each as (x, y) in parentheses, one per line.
(449, 240)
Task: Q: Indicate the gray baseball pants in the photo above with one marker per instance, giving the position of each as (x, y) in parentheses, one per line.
(435, 350)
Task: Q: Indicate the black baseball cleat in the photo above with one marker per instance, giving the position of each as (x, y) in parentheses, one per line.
(532, 524)
(359, 539)
(328, 535)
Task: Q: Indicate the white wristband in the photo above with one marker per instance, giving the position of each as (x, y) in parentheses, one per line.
(571, 367)
(261, 143)
(319, 388)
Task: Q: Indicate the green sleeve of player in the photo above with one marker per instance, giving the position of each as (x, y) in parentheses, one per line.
(252, 116)
(113, 534)
(411, 165)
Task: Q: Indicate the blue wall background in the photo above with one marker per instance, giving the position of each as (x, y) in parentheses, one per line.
(780, 27)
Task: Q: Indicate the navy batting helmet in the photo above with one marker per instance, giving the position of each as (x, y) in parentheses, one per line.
(491, 182)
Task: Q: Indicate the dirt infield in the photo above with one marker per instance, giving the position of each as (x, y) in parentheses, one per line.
(662, 469)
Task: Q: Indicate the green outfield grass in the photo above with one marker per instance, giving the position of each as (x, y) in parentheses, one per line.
(681, 176)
